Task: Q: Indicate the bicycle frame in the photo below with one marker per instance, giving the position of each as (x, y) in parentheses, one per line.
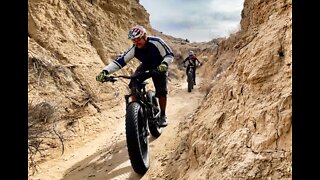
(142, 115)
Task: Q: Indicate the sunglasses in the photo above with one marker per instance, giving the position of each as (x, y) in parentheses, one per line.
(136, 39)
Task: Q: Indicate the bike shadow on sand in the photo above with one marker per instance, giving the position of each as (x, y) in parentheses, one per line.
(112, 162)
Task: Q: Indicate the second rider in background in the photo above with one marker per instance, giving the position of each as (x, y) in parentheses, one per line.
(192, 61)
(153, 53)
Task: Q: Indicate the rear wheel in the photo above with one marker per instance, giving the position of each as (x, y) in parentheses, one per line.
(137, 138)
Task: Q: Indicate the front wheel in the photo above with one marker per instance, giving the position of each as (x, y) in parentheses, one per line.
(190, 81)
(137, 138)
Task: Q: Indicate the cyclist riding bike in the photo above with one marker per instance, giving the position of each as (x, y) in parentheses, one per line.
(153, 53)
(193, 61)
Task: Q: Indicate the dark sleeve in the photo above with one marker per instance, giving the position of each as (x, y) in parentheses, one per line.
(186, 59)
(182, 62)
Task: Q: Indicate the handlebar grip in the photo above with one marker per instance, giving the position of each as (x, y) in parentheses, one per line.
(110, 79)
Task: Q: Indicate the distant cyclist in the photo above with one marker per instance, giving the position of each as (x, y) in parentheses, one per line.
(153, 53)
(191, 60)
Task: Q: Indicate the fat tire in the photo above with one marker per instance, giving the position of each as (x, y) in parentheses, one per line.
(137, 138)
(190, 81)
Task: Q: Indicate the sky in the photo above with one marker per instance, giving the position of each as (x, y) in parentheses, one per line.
(195, 20)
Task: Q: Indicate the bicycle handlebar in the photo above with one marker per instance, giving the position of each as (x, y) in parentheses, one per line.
(189, 66)
(115, 78)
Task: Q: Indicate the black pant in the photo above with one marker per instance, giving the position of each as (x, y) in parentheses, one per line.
(160, 81)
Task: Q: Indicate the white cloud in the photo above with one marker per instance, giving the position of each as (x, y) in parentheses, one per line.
(196, 20)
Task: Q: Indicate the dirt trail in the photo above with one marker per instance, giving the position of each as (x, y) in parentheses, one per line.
(106, 157)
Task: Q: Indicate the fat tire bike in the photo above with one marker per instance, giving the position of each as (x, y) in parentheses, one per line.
(142, 116)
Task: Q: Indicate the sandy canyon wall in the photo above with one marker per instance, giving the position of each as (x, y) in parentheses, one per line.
(243, 130)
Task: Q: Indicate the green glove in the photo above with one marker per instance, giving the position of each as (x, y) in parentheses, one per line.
(162, 68)
(102, 75)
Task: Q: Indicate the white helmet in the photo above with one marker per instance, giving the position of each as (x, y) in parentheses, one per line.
(136, 32)
(190, 53)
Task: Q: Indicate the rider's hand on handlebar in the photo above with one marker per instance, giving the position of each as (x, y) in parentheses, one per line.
(102, 76)
(162, 68)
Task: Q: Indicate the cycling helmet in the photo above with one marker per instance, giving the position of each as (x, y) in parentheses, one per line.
(136, 32)
(190, 53)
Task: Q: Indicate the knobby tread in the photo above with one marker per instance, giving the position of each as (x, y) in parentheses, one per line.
(137, 150)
